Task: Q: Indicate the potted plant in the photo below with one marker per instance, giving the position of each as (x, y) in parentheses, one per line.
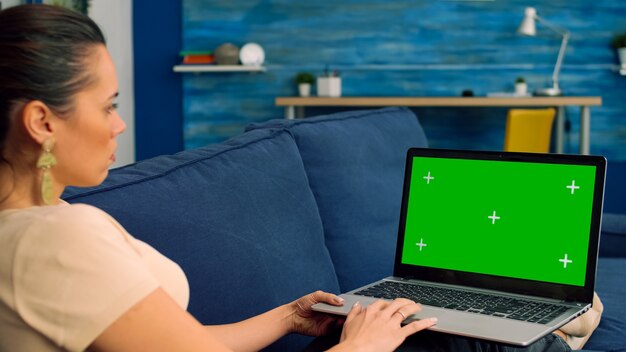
(304, 81)
(521, 88)
(619, 43)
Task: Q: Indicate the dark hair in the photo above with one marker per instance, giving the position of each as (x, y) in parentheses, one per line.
(43, 51)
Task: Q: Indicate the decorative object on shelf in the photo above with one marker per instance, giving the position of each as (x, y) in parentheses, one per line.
(197, 57)
(521, 88)
(252, 54)
(619, 43)
(329, 84)
(527, 27)
(304, 80)
(81, 6)
(227, 54)
(467, 93)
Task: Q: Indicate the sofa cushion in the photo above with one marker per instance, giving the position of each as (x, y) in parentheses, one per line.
(355, 164)
(238, 217)
(610, 334)
(613, 238)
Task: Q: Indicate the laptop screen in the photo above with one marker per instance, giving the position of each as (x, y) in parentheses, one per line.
(509, 215)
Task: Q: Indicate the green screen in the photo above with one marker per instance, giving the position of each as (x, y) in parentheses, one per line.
(514, 219)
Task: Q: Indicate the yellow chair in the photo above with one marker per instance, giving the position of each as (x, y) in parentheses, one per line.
(528, 130)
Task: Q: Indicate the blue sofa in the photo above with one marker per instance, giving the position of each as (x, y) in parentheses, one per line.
(289, 207)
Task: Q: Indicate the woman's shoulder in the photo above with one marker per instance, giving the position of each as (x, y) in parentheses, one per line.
(68, 256)
(73, 210)
(59, 214)
(62, 221)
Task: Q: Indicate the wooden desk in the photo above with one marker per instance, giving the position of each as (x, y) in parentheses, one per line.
(292, 104)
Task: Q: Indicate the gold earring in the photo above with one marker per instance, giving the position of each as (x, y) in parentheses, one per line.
(45, 162)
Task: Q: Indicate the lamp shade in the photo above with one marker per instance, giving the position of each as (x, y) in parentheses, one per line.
(527, 27)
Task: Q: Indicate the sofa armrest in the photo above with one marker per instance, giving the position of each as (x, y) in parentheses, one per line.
(613, 237)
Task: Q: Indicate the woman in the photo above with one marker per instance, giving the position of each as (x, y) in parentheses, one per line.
(71, 278)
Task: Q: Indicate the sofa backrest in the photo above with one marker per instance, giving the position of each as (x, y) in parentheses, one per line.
(238, 217)
(355, 164)
(613, 236)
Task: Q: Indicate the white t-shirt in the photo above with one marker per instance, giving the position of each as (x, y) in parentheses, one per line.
(67, 272)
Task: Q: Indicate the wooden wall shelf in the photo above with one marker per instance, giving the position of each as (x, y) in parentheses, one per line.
(218, 68)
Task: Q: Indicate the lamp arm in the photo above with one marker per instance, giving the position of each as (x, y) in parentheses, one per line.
(559, 60)
(565, 33)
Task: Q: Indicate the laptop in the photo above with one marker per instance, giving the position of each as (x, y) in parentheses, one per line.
(499, 246)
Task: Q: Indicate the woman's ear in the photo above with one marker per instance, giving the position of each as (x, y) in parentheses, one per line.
(38, 120)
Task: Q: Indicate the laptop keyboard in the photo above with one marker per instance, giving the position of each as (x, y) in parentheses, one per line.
(505, 307)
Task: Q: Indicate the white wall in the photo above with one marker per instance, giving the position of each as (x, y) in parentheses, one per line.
(115, 19)
(7, 3)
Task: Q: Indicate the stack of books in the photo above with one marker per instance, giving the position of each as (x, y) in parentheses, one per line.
(197, 57)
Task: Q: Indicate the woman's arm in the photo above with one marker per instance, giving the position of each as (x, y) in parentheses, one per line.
(156, 324)
(375, 328)
(255, 333)
(258, 332)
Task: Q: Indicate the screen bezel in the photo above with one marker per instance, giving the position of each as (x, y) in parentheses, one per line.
(563, 292)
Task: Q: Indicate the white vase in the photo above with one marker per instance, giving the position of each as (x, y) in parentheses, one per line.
(521, 88)
(304, 89)
(329, 86)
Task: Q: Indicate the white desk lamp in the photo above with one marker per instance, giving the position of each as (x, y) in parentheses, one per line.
(527, 27)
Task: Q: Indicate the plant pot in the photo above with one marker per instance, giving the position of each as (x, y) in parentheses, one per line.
(521, 88)
(329, 86)
(304, 89)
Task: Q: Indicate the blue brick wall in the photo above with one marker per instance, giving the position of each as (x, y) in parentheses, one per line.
(407, 48)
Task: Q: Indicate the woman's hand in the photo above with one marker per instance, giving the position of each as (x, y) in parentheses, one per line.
(378, 327)
(307, 322)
